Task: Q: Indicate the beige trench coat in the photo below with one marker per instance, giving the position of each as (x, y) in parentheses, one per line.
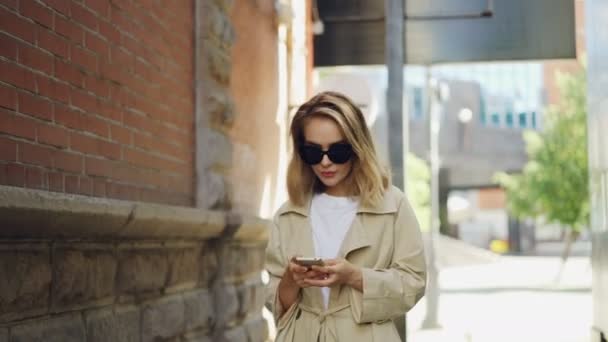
(385, 241)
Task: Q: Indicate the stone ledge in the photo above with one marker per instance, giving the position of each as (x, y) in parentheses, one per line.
(35, 214)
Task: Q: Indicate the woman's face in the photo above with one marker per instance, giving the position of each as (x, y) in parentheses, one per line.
(325, 132)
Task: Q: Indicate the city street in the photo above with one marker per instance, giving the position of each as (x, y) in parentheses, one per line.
(512, 299)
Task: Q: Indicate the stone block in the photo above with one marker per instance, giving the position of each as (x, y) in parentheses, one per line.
(113, 324)
(226, 304)
(219, 64)
(259, 293)
(213, 190)
(141, 269)
(199, 310)
(236, 334)
(65, 328)
(220, 154)
(257, 329)
(197, 337)
(183, 267)
(209, 266)
(163, 319)
(25, 281)
(3, 335)
(243, 261)
(245, 294)
(83, 274)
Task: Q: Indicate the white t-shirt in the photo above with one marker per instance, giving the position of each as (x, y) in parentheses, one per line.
(330, 218)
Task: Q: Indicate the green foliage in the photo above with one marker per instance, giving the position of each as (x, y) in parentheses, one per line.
(418, 189)
(554, 182)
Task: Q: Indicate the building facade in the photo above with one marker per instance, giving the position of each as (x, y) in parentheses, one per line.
(131, 180)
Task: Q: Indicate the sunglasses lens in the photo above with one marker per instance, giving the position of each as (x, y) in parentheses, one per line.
(311, 155)
(340, 153)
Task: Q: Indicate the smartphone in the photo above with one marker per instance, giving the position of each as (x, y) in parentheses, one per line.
(307, 262)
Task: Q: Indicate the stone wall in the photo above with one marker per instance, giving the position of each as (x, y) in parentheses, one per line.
(149, 273)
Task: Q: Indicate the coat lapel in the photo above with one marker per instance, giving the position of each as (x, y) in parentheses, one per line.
(355, 238)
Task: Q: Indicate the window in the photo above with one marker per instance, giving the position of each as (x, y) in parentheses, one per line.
(495, 119)
(523, 120)
(509, 119)
(533, 120)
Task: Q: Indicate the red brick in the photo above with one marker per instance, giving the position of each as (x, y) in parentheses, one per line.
(15, 175)
(55, 181)
(94, 125)
(35, 155)
(121, 191)
(82, 15)
(153, 144)
(69, 29)
(52, 135)
(84, 58)
(71, 162)
(99, 188)
(67, 72)
(110, 72)
(84, 101)
(100, 7)
(33, 10)
(96, 44)
(85, 186)
(8, 149)
(68, 117)
(109, 111)
(52, 89)
(95, 146)
(12, 4)
(96, 85)
(36, 59)
(122, 59)
(53, 43)
(35, 178)
(8, 97)
(150, 161)
(8, 47)
(19, 126)
(16, 26)
(35, 106)
(98, 167)
(61, 6)
(109, 32)
(16, 75)
(120, 134)
(71, 184)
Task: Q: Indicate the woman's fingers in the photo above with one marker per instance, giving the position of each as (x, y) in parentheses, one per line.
(329, 281)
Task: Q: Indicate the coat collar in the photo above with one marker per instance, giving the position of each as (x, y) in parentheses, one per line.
(388, 205)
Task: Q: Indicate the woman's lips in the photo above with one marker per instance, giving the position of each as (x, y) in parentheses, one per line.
(328, 174)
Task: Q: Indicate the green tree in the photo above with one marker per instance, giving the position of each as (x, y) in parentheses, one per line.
(554, 183)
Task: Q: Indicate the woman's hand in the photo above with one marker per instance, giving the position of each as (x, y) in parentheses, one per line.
(294, 279)
(337, 272)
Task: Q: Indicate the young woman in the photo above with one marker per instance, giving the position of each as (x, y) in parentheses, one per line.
(343, 210)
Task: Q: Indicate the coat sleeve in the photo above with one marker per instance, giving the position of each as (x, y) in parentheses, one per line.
(275, 264)
(388, 293)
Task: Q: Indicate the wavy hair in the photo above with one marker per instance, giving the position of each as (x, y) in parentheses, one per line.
(367, 179)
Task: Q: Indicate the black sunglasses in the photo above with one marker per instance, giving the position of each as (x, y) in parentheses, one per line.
(338, 153)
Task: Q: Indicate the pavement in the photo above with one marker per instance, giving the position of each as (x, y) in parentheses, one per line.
(521, 299)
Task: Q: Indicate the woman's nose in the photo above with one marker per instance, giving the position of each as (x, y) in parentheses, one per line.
(325, 161)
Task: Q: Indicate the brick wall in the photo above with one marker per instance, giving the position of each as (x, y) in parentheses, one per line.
(96, 98)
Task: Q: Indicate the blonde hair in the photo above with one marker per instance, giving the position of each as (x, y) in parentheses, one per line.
(368, 179)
